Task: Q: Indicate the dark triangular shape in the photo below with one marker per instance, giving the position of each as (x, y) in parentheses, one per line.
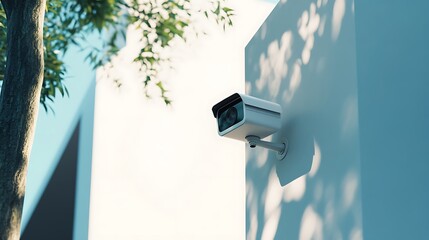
(54, 214)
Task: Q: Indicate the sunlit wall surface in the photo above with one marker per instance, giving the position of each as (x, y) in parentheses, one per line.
(303, 57)
(163, 172)
(356, 113)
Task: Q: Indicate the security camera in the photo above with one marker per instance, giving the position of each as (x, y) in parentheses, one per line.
(249, 119)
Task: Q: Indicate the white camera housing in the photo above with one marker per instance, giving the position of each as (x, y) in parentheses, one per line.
(239, 116)
(249, 119)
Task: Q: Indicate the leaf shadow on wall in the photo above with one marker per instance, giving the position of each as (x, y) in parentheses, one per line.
(303, 57)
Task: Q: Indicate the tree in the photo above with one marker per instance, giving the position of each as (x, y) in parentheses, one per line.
(35, 35)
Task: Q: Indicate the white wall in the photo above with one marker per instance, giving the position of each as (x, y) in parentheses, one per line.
(303, 57)
(161, 172)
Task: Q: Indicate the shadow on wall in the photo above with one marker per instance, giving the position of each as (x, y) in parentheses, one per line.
(303, 57)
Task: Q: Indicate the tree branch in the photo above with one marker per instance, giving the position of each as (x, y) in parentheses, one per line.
(19, 100)
(6, 6)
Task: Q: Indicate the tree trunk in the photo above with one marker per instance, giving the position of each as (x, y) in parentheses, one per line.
(19, 101)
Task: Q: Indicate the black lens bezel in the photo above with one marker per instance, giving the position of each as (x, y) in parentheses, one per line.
(225, 108)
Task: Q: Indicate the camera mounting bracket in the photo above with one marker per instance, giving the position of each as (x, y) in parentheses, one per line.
(280, 148)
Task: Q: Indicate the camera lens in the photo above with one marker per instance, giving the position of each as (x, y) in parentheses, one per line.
(228, 118)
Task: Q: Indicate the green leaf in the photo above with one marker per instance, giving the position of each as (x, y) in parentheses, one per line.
(69, 22)
(227, 9)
